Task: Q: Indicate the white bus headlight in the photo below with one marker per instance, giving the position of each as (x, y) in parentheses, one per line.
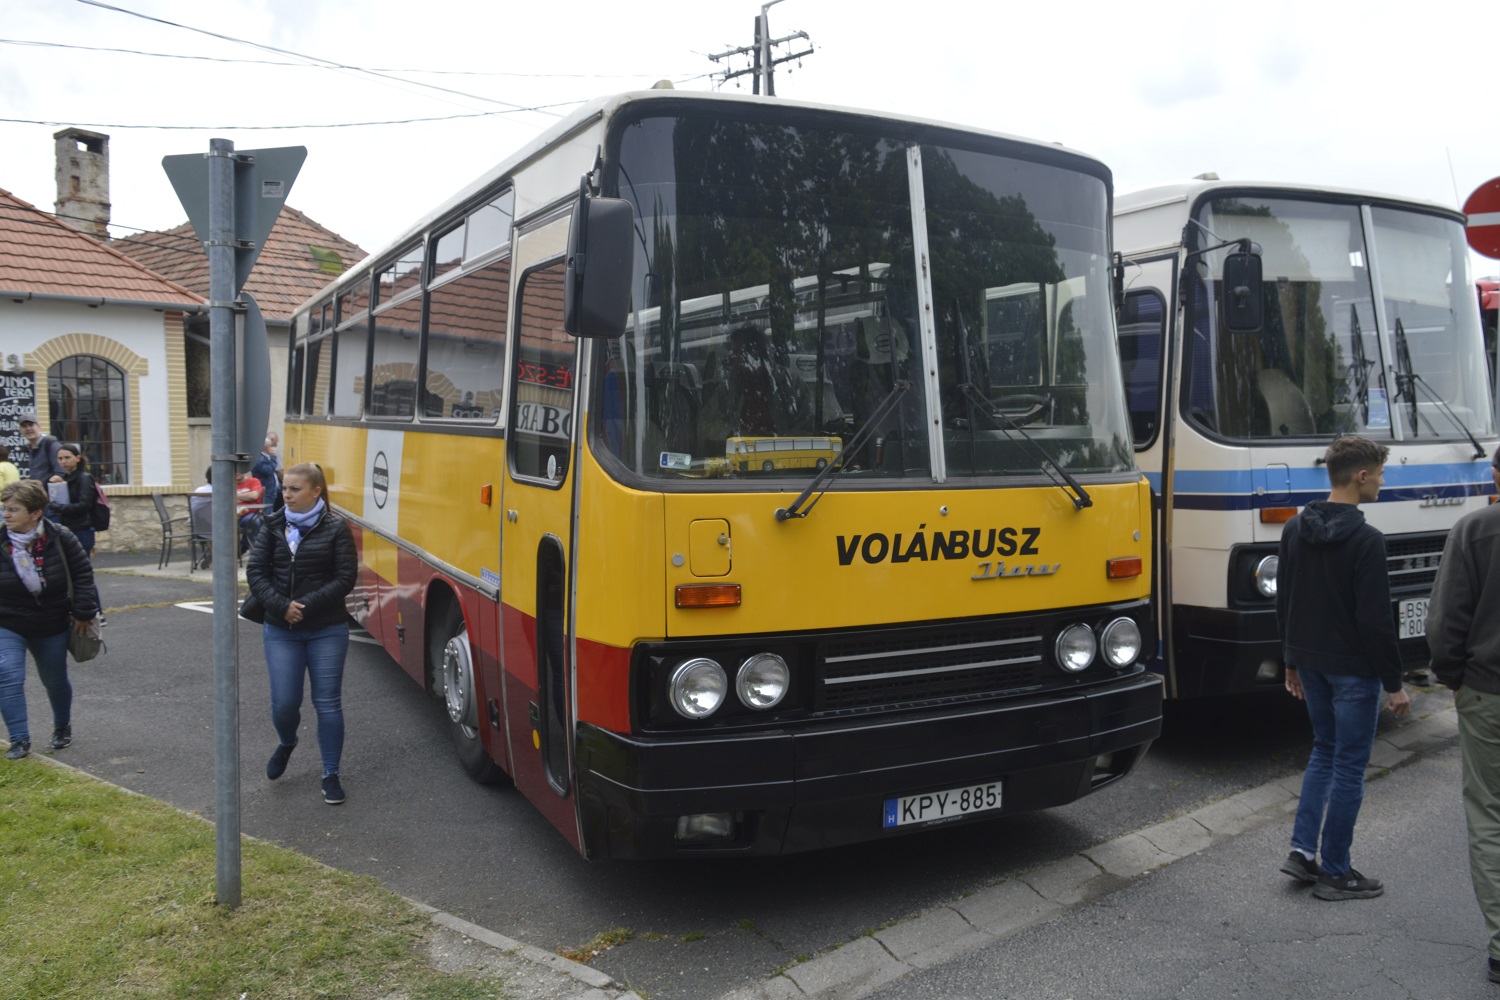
(1121, 642)
(762, 680)
(1075, 648)
(1265, 575)
(697, 688)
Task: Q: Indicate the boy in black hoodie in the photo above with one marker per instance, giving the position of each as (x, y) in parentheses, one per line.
(1338, 637)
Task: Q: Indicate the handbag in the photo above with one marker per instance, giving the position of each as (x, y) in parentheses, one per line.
(253, 611)
(87, 644)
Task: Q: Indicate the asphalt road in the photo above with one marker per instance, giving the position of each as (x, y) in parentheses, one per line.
(143, 718)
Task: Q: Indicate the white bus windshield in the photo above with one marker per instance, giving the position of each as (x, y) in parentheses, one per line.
(1327, 361)
(776, 307)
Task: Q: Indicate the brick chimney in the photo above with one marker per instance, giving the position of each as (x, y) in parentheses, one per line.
(83, 181)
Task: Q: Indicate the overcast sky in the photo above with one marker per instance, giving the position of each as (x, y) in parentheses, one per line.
(1395, 97)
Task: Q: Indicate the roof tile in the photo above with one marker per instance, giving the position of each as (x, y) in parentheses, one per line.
(41, 255)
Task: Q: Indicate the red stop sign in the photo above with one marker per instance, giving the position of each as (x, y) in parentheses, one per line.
(1483, 210)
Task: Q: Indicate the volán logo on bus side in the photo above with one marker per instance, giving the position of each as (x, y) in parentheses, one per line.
(926, 546)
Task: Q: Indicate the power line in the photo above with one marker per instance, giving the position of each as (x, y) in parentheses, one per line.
(304, 65)
(272, 128)
(327, 63)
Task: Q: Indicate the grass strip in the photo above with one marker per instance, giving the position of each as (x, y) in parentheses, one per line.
(106, 894)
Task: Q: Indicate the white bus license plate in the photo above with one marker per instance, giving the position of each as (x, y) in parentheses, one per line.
(1411, 618)
(931, 807)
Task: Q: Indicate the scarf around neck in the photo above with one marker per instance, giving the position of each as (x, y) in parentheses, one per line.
(296, 523)
(25, 562)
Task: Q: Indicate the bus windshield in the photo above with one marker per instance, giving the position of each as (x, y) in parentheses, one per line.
(777, 302)
(1327, 361)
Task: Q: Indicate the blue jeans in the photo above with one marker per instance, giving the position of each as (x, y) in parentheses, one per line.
(1343, 710)
(51, 655)
(318, 654)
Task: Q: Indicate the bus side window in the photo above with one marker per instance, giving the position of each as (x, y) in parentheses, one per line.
(541, 417)
(1142, 332)
(466, 344)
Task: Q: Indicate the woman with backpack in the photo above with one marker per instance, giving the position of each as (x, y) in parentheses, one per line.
(80, 514)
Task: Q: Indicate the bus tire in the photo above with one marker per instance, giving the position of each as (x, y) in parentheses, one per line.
(454, 681)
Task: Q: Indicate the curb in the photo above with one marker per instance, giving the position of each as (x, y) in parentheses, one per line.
(591, 983)
(859, 967)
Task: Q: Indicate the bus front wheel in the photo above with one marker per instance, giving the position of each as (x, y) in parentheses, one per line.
(461, 701)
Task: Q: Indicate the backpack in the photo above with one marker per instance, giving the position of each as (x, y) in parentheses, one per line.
(99, 516)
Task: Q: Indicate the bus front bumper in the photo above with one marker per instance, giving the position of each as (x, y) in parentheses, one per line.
(781, 791)
(1217, 651)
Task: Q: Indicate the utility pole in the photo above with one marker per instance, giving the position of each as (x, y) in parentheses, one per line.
(762, 61)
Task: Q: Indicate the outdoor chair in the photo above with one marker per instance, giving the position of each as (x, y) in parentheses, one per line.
(200, 512)
(173, 529)
(201, 538)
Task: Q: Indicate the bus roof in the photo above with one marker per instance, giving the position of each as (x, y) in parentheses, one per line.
(1190, 191)
(602, 108)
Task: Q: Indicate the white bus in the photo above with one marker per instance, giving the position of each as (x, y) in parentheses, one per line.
(1368, 324)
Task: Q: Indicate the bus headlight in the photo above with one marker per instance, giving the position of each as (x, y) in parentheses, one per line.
(697, 688)
(1075, 648)
(1121, 642)
(1265, 575)
(762, 681)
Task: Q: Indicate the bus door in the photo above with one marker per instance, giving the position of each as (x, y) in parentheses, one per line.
(537, 503)
(1148, 357)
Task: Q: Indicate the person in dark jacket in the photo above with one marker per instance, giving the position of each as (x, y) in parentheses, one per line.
(1338, 638)
(36, 559)
(1463, 635)
(77, 515)
(302, 565)
(41, 449)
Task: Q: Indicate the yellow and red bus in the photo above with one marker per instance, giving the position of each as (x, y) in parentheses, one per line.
(934, 614)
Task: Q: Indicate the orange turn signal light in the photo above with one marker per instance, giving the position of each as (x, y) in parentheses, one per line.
(708, 595)
(1277, 515)
(1122, 567)
(486, 492)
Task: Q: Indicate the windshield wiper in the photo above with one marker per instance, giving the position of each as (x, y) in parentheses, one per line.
(1359, 368)
(1408, 382)
(826, 474)
(1081, 498)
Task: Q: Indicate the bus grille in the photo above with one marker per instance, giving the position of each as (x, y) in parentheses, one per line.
(885, 671)
(1412, 560)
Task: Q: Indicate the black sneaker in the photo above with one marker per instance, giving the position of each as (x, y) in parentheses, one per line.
(18, 749)
(61, 737)
(333, 792)
(1298, 867)
(276, 766)
(1352, 885)
(1494, 970)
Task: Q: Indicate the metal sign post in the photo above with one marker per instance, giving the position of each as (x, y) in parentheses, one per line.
(232, 205)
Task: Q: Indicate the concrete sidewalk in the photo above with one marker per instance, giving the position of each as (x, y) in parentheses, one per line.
(145, 564)
(1195, 907)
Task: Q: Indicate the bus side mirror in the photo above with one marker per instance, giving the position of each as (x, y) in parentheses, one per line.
(596, 291)
(1243, 302)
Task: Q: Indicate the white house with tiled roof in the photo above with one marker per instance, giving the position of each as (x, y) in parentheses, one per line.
(98, 339)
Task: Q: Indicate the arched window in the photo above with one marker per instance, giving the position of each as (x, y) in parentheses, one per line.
(86, 404)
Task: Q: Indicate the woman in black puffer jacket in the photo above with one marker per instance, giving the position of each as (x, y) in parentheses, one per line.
(302, 565)
(36, 559)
